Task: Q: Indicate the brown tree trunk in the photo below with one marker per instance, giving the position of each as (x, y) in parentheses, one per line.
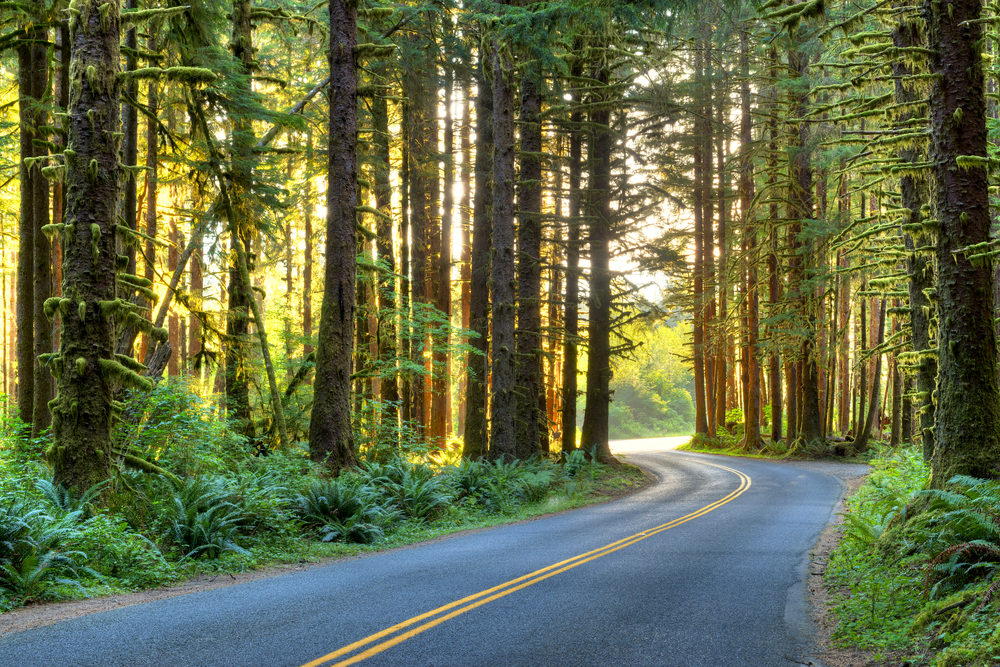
(441, 413)
(330, 439)
(752, 439)
(700, 258)
(529, 269)
(967, 422)
(595, 419)
(571, 321)
(25, 319)
(307, 261)
(503, 443)
(477, 363)
(173, 322)
(86, 368)
(42, 257)
(861, 444)
(419, 223)
(387, 328)
(465, 262)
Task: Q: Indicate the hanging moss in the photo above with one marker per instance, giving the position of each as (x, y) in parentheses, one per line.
(130, 363)
(131, 17)
(81, 365)
(49, 307)
(112, 369)
(190, 75)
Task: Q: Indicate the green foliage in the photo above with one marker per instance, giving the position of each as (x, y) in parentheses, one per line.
(652, 390)
(201, 519)
(65, 501)
(174, 427)
(32, 562)
(921, 564)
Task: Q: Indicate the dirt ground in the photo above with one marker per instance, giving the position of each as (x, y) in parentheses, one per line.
(819, 594)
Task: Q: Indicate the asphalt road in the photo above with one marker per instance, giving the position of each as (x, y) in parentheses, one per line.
(707, 567)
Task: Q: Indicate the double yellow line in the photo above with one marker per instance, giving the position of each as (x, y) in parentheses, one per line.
(428, 620)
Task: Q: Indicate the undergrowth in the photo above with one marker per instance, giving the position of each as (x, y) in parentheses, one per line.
(229, 509)
(916, 575)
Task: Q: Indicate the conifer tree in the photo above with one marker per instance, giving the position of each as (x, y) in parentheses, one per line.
(330, 438)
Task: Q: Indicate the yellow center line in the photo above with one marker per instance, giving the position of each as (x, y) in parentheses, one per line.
(489, 595)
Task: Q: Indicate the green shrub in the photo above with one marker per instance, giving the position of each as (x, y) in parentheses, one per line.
(201, 520)
(118, 552)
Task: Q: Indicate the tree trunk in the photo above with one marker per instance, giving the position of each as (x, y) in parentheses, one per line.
(529, 269)
(152, 149)
(440, 415)
(914, 189)
(419, 223)
(388, 388)
(25, 322)
(503, 444)
(330, 439)
(700, 258)
(571, 321)
(42, 257)
(86, 367)
(307, 261)
(477, 363)
(465, 208)
(751, 439)
(596, 413)
(238, 371)
(968, 401)
(861, 444)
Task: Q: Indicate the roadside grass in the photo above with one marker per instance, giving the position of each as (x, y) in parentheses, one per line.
(228, 511)
(915, 576)
(728, 443)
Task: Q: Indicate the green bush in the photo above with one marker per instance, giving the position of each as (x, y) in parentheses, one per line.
(201, 520)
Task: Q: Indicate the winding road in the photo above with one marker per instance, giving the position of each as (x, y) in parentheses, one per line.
(706, 567)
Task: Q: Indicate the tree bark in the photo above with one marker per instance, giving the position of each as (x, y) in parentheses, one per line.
(571, 320)
(596, 412)
(238, 372)
(503, 444)
(25, 322)
(86, 367)
(529, 269)
(42, 256)
(330, 439)
(387, 328)
(967, 438)
(751, 439)
(477, 363)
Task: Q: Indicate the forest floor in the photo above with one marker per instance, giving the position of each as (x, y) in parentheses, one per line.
(820, 595)
(614, 483)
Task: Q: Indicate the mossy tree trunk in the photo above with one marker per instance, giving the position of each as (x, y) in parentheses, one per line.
(529, 269)
(26, 237)
(914, 190)
(752, 439)
(240, 294)
(330, 437)
(967, 438)
(42, 256)
(503, 444)
(86, 367)
(477, 366)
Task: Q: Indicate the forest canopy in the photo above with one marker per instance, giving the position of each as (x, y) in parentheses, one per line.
(444, 225)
